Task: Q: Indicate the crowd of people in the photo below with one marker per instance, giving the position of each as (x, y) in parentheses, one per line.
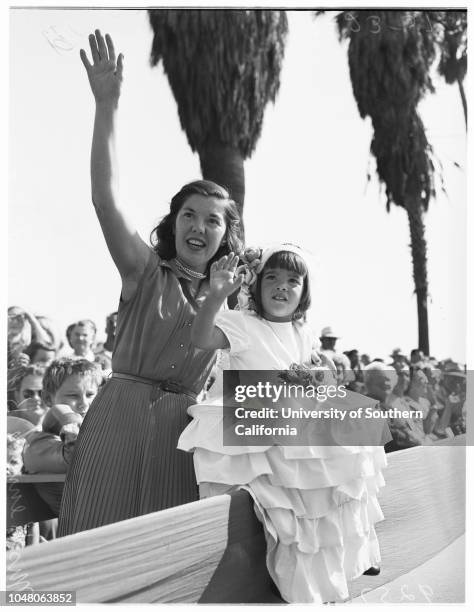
(52, 380)
(406, 383)
(137, 444)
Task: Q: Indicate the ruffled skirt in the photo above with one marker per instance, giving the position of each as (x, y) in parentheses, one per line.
(318, 504)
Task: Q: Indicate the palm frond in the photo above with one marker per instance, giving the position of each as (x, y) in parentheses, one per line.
(223, 67)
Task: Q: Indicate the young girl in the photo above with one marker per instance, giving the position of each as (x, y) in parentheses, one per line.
(318, 504)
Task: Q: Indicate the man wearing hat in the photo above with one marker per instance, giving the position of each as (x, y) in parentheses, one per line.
(398, 358)
(328, 341)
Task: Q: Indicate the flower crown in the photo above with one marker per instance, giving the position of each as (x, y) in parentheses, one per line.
(251, 259)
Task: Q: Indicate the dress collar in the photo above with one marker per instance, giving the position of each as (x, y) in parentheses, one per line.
(165, 263)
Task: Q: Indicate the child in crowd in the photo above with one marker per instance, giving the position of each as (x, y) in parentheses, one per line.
(40, 353)
(25, 414)
(318, 504)
(25, 384)
(69, 386)
(81, 337)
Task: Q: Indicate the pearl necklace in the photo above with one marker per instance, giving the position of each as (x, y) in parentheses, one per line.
(188, 271)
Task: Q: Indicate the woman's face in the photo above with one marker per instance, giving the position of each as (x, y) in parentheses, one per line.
(199, 230)
(280, 293)
(19, 328)
(82, 339)
(28, 397)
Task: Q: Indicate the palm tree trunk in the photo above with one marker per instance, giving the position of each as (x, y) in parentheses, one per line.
(420, 274)
(463, 99)
(225, 165)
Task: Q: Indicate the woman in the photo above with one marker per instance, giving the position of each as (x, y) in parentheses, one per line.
(24, 329)
(126, 463)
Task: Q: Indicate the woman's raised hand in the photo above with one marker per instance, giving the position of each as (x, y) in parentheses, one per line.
(105, 72)
(224, 280)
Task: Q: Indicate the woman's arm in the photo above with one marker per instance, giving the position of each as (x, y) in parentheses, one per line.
(39, 334)
(128, 250)
(223, 282)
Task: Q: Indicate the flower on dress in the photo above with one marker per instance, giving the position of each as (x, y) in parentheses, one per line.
(301, 374)
(251, 260)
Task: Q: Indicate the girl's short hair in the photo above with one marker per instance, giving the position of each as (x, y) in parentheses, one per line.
(293, 263)
(162, 236)
(60, 369)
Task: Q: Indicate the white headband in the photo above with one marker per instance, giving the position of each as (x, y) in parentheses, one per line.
(277, 248)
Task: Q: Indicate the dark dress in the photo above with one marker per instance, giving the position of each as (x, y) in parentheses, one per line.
(126, 462)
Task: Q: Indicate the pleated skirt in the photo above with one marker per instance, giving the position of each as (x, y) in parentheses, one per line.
(126, 463)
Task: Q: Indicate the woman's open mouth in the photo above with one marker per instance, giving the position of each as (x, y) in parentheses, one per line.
(195, 243)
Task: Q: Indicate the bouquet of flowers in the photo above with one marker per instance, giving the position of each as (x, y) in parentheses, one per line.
(319, 371)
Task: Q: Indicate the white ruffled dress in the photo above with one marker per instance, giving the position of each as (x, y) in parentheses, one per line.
(318, 504)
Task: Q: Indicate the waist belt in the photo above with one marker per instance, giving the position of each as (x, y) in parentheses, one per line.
(168, 386)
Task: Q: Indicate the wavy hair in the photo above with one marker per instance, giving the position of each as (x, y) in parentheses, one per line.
(162, 236)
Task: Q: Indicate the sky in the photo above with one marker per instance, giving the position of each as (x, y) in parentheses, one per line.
(306, 183)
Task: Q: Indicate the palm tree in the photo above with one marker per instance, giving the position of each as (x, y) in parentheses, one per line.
(223, 67)
(390, 54)
(451, 38)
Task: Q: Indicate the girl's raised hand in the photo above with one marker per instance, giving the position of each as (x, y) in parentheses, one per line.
(223, 279)
(105, 72)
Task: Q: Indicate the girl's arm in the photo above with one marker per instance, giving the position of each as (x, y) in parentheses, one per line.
(223, 282)
(128, 250)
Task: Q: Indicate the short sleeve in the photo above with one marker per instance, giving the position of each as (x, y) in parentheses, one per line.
(152, 267)
(234, 325)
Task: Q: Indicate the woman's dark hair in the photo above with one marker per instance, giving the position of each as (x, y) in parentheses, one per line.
(162, 236)
(293, 263)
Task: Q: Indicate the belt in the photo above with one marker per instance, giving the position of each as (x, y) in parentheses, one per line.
(170, 386)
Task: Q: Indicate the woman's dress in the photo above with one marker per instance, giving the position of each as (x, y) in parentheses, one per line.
(126, 463)
(318, 504)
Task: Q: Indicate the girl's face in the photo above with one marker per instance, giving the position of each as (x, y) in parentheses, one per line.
(200, 228)
(281, 292)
